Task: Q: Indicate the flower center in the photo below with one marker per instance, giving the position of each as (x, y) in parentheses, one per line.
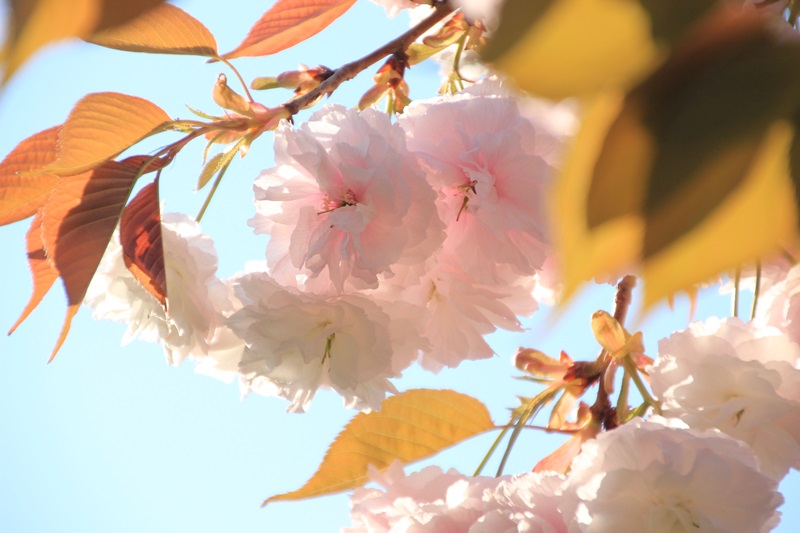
(465, 190)
(332, 204)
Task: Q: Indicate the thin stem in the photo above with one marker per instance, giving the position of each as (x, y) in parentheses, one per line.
(622, 301)
(622, 399)
(491, 451)
(241, 80)
(351, 70)
(533, 407)
(211, 193)
(736, 281)
(756, 290)
(457, 59)
(511, 440)
(630, 370)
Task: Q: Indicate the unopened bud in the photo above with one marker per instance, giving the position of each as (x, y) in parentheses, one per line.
(608, 332)
(227, 98)
(539, 364)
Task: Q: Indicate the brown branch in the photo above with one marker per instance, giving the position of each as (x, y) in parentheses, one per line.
(351, 70)
(622, 301)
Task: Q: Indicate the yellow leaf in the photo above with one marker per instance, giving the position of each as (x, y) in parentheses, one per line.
(576, 47)
(416, 424)
(754, 221)
(101, 126)
(165, 29)
(611, 247)
(33, 24)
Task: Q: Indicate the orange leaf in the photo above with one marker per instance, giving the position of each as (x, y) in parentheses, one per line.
(100, 126)
(415, 424)
(78, 223)
(22, 195)
(117, 12)
(140, 235)
(287, 23)
(42, 270)
(165, 29)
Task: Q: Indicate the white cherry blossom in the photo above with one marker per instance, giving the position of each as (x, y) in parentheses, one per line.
(433, 501)
(738, 378)
(194, 294)
(661, 477)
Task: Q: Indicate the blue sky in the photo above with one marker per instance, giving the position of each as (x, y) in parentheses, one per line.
(112, 439)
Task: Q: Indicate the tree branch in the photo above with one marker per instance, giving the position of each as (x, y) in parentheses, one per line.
(351, 70)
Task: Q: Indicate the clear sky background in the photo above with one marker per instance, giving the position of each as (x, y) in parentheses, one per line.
(111, 439)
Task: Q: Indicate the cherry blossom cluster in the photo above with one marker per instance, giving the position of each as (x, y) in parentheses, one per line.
(389, 242)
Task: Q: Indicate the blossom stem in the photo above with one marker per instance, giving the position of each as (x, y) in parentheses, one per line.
(630, 370)
(241, 80)
(622, 399)
(214, 187)
(530, 410)
(351, 70)
(491, 450)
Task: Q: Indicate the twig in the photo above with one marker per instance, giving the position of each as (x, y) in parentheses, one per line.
(351, 70)
(622, 301)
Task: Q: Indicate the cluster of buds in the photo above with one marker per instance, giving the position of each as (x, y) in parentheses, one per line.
(571, 379)
(301, 81)
(389, 82)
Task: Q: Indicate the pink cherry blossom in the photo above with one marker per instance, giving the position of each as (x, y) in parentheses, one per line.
(345, 203)
(453, 311)
(479, 154)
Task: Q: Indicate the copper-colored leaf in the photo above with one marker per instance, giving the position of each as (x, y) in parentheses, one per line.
(78, 222)
(140, 235)
(43, 272)
(165, 29)
(22, 195)
(118, 12)
(100, 126)
(416, 424)
(33, 24)
(287, 23)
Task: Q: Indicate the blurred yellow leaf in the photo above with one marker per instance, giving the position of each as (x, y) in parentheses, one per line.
(658, 169)
(33, 24)
(561, 48)
(415, 424)
(100, 126)
(165, 29)
(612, 247)
(753, 222)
